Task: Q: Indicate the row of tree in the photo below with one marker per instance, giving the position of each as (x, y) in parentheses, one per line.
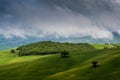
(63, 53)
(37, 53)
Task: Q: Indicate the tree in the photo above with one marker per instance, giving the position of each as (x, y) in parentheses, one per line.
(12, 51)
(105, 48)
(64, 54)
(117, 46)
(94, 63)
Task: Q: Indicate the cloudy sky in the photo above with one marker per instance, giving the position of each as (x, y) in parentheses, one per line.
(59, 18)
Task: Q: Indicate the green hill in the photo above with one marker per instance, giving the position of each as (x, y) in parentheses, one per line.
(49, 47)
(52, 67)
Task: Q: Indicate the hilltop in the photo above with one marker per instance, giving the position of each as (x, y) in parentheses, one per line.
(49, 47)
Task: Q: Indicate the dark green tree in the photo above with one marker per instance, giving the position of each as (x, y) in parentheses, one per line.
(105, 47)
(94, 63)
(12, 51)
(64, 54)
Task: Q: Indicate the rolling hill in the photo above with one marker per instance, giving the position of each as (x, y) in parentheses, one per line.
(52, 67)
(49, 47)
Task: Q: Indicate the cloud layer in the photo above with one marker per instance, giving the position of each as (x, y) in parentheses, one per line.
(59, 18)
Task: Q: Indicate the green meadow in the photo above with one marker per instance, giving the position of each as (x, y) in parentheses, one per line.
(78, 66)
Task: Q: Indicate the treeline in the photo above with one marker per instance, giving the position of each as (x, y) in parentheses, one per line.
(49, 47)
(37, 53)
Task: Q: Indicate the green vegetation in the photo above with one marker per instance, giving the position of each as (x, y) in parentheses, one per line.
(95, 63)
(12, 51)
(52, 67)
(7, 58)
(102, 46)
(64, 54)
(48, 47)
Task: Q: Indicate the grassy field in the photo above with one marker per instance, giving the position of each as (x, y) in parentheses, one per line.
(52, 67)
(102, 46)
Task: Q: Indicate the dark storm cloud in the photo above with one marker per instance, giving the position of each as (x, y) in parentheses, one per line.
(59, 18)
(82, 6)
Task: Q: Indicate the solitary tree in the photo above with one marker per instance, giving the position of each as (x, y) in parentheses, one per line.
(64, 54)
(94, 63)
(12, 51)
(117, 46)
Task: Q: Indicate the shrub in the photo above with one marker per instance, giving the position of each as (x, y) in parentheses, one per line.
(64, 54)
(117, 46)
(12, 51)
(105, 48)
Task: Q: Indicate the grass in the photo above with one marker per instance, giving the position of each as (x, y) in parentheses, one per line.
(52, 67)
(8, 58)
(102, 46)
(108, 69)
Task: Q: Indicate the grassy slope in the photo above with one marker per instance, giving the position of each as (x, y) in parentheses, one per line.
(52, 67)
(102, 46)
(109, 62)
(7, 58)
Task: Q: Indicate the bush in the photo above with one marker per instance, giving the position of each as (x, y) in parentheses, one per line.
(105, 48)
(94, 63)
(117, 46)
(64, 54)
(12, 51)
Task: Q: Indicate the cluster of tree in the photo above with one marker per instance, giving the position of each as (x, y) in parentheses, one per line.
(63, 54)
(37, 53)
(49, 47)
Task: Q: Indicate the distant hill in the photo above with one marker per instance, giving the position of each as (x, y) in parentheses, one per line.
(15, 41)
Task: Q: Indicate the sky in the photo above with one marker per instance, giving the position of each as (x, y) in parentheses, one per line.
(59, 18)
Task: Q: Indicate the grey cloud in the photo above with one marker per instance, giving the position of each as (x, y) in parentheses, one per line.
(60, 18)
